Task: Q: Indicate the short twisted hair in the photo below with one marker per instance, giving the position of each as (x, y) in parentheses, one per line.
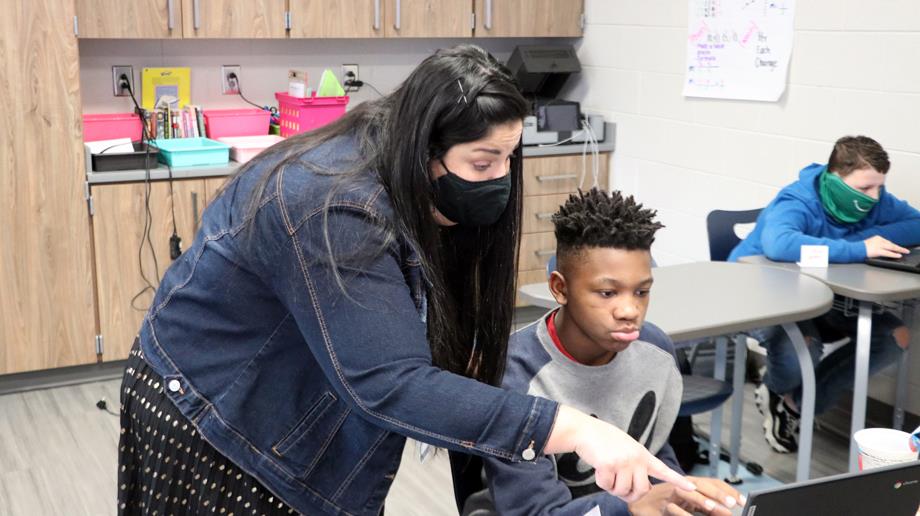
(598, 219)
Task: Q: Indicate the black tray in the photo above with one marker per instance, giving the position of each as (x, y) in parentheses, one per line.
(126, 161)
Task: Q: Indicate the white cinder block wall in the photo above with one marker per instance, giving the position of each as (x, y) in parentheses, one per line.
(854, 70)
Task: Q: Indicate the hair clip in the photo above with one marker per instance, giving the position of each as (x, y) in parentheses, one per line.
(462, 94)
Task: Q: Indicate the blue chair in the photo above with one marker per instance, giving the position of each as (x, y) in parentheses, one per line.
(720, 227)
(723, 237)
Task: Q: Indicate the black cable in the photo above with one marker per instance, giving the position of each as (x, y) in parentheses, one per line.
(232, 77)
(148, 215)
(175, 242)
(356, 84)
(373, 88)
(102, 405)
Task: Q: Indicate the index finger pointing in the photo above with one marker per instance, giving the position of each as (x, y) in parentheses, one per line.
(662, 472)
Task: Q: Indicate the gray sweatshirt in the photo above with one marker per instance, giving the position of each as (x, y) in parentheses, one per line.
(639, 391)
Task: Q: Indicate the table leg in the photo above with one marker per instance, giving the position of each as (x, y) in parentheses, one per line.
(807, 409)
(737, 403)
(900, 398)
(861, 380)
(715, 426)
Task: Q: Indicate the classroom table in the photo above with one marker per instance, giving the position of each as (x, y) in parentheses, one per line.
(717, 299)
(868, 285)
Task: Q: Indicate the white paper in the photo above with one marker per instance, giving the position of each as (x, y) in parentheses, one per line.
(739, 49)
(116, 146)
(596, 511)
(813, 256)
(424, 450)
(296, 89)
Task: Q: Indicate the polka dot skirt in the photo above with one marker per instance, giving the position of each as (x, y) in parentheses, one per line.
(165, 467)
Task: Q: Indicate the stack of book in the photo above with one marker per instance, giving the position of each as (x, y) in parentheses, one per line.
(166, 123)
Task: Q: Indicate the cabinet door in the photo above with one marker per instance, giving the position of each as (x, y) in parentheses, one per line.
(233, 19)
(337, 18)
(46, 281)
(119, 231)
(129, 19)
(212, 188)
(429, 19)
(529, 18)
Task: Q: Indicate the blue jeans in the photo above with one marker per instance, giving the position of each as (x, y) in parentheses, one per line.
(833, 375)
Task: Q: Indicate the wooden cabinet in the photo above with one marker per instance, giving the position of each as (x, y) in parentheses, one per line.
(46, 305)
(123, 294)
(161, 19)
(233, 18)
(548, 182)
(136, 19)
(212, 188)
(529, 18)
(429, 19)
(336, 18)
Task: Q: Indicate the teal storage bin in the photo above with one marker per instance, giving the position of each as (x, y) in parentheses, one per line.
(190, 152)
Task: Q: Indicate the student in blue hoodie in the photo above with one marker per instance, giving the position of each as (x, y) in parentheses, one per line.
(843, 205)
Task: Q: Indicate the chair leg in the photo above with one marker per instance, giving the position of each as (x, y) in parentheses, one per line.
(737, 405)
(806, 429)
(715, 432)
(900, 399)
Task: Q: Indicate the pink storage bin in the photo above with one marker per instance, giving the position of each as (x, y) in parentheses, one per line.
(299, 115)
(244, 148)
(220, 123)
(110, 126)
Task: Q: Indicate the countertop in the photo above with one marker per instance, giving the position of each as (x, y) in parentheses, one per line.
(162, 172)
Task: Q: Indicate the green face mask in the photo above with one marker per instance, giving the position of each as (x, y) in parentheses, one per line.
(844, 203)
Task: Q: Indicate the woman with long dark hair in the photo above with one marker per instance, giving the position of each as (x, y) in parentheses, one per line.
(351, 287)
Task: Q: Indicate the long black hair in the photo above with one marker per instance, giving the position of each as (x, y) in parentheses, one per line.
(457, 95)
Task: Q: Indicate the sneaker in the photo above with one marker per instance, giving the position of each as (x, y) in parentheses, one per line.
(780, 424)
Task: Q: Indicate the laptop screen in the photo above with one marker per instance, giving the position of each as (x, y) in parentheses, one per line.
(892, 491)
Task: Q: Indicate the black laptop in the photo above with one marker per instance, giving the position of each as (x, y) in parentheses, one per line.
(891, 491)
(909, 262)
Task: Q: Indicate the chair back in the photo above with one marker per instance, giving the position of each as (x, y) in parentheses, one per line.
(720, 227)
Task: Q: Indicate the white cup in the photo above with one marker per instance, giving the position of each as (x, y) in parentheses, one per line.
(879, 447)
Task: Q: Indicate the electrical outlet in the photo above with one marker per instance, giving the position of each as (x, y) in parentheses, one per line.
(228, 86)
(117, 72)
(353, 68)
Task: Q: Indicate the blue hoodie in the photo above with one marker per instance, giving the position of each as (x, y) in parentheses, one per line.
(796, 218)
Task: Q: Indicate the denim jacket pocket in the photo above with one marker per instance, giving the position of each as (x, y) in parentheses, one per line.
(305, 425)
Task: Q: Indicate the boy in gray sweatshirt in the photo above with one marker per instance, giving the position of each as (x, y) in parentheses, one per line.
(588, 354)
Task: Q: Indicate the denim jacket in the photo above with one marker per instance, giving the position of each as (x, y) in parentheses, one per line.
(309, 389)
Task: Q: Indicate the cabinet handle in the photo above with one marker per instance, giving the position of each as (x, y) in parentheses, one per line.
(196, 219)
(544, 216)
(376, 14)
(398, 14)
(560, 177)
(488, 20)
(169, 15)
(196, 14)
(542, 253)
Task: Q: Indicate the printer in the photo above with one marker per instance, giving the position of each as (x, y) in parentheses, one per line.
(541, 71)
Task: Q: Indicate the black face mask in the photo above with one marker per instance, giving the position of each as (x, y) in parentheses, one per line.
(472, 203)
